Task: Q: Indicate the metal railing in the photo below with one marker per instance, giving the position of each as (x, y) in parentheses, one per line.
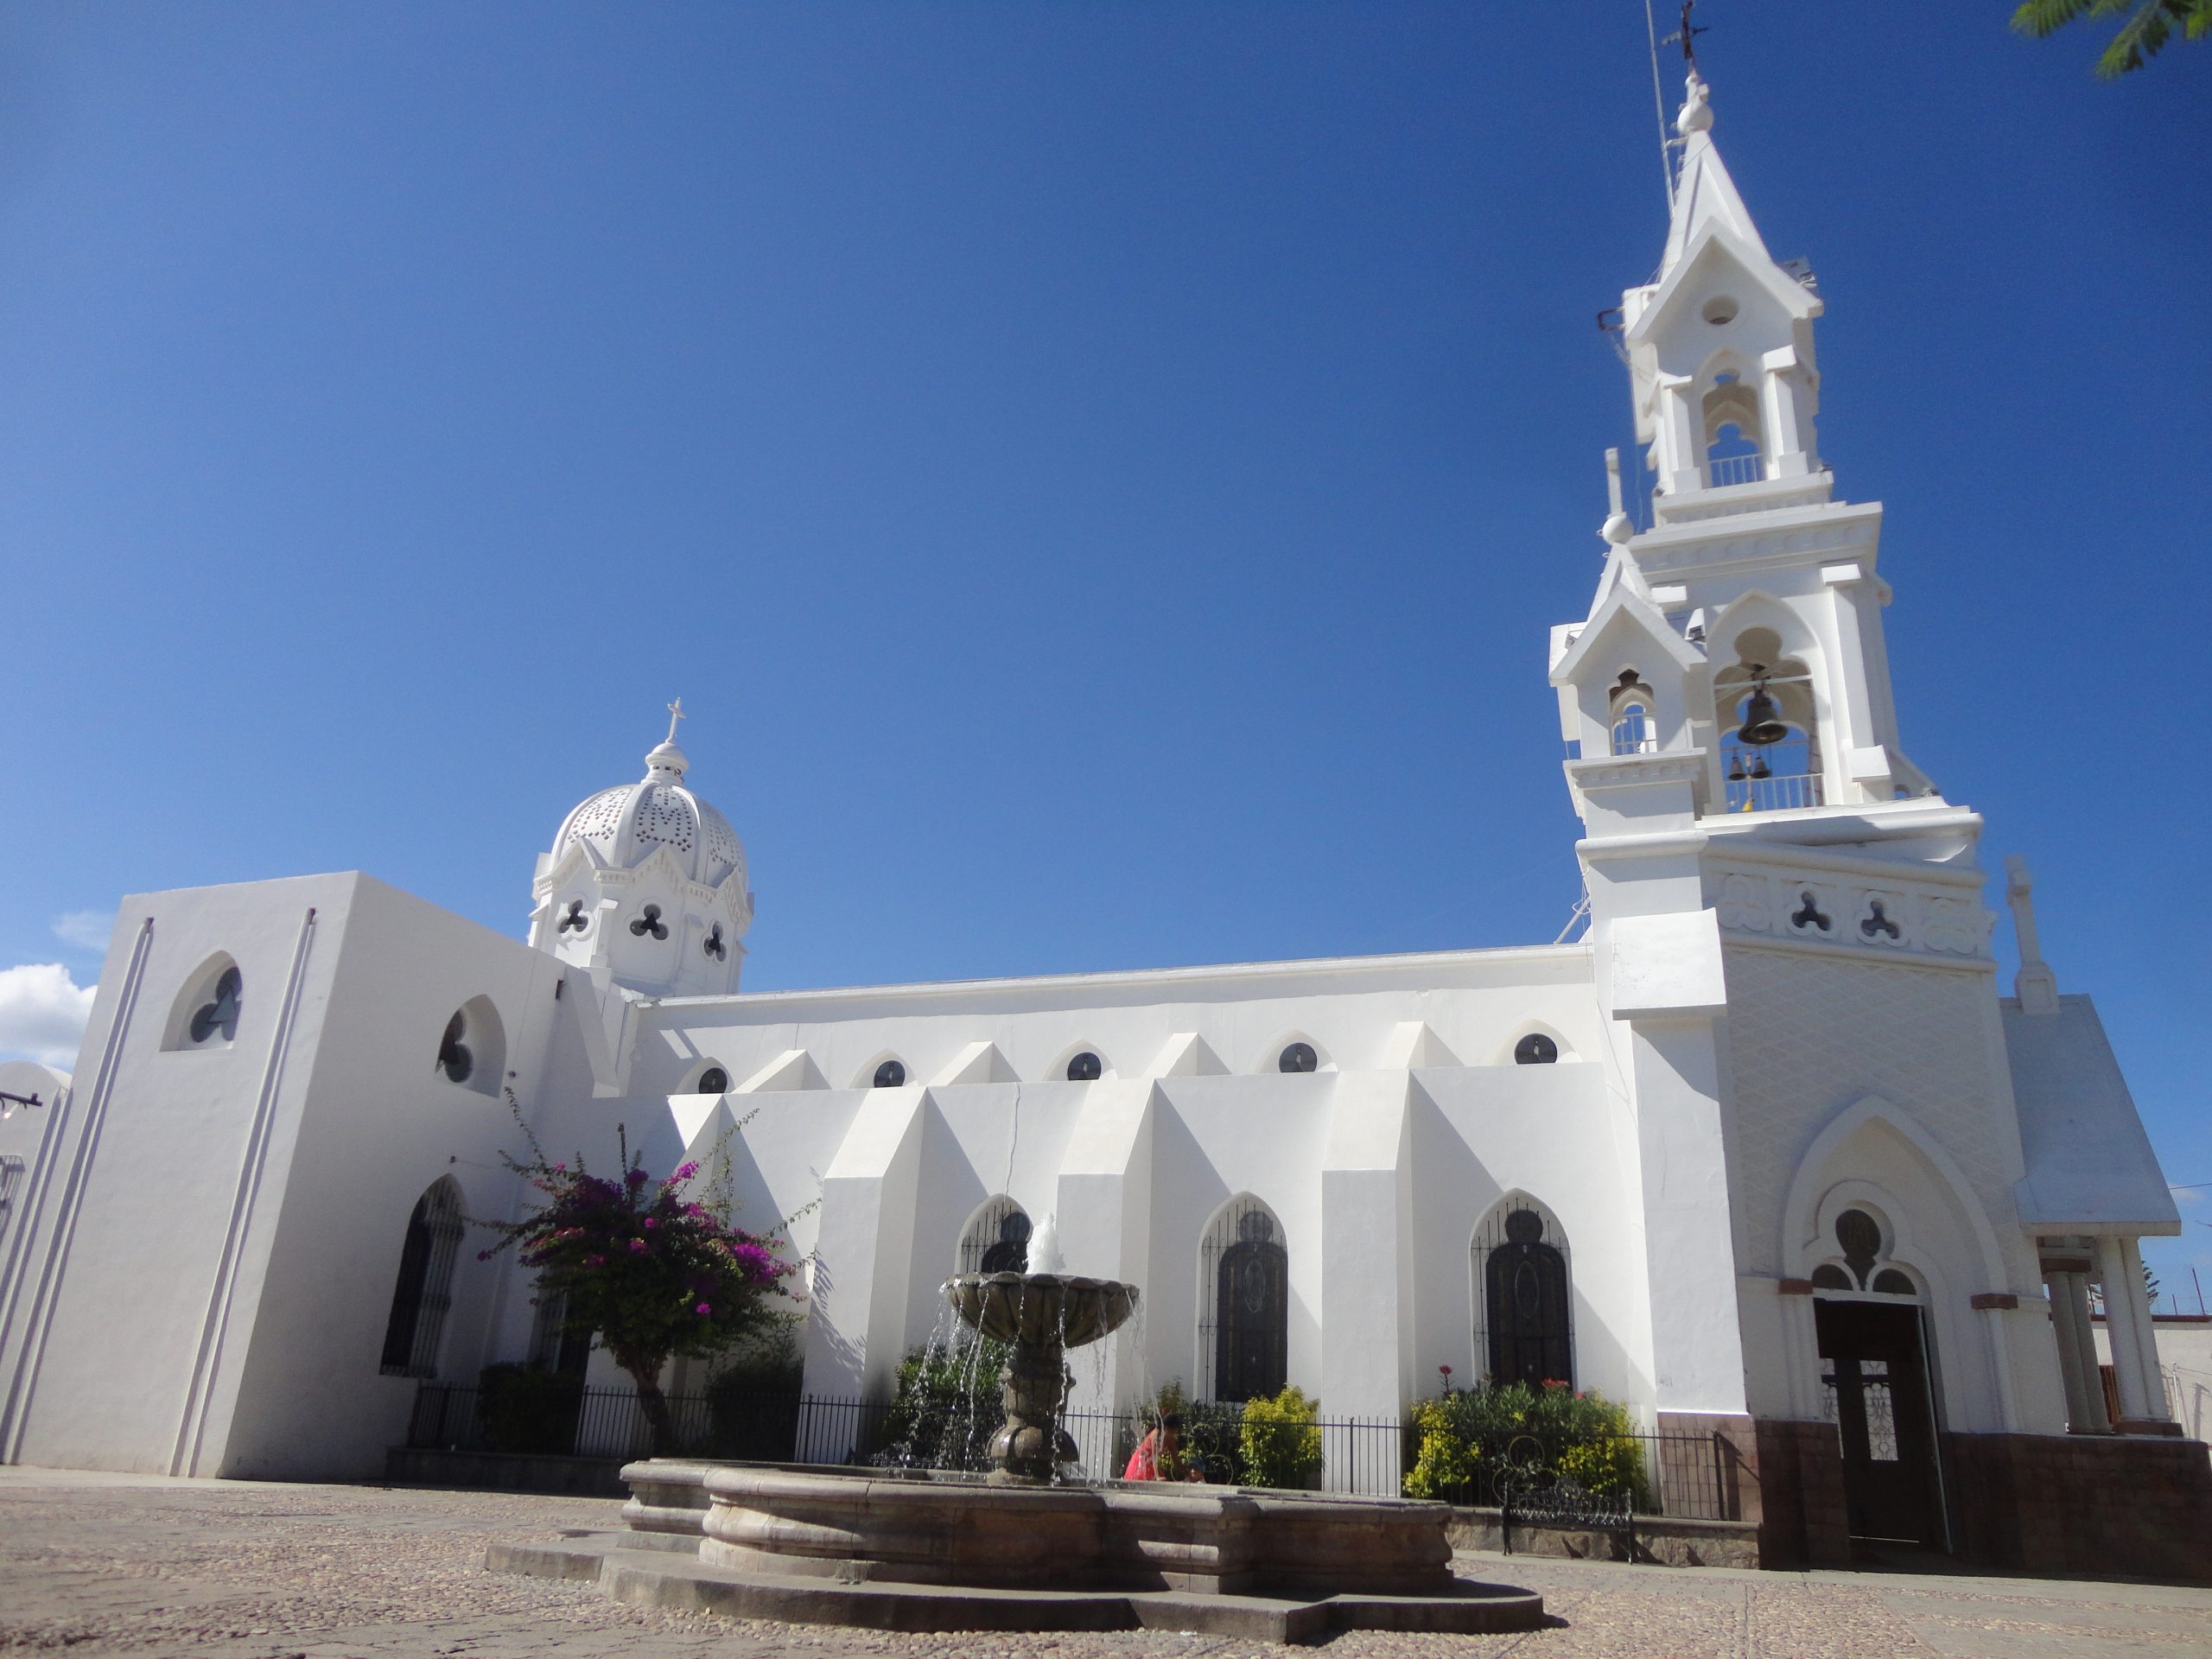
(1634, 733)
(1721, 471)
(1773, 777)
(1697, 1477)
(1687, 1476)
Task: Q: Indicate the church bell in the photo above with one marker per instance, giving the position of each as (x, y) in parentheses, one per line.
(1762, 719)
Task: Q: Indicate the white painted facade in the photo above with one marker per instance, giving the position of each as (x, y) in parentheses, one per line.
(1785, 1008)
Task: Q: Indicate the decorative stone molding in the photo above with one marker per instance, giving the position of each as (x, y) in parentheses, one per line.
(1680, 767)
(2003, 1301)
(1853, 534)
(1901, 918)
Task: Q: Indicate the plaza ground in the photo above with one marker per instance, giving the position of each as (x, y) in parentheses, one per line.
(99, 1564)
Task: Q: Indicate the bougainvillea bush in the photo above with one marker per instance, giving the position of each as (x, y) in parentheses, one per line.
(655, 1270)
(1469, 1439)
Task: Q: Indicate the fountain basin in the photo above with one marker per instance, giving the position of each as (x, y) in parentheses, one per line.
(1041, 1310)
(1134, 1535)
(811, 1546)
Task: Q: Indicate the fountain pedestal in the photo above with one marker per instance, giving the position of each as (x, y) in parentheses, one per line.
(1041, 1315)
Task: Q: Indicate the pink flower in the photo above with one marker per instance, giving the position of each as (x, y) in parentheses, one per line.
(705, 1309)
(687, 1171)
(637, 1246)
(650, 1221)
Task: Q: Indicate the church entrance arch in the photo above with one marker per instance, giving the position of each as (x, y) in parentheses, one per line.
(1874, 1374)
(1872, 1339)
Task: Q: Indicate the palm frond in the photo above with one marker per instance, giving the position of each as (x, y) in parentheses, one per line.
(2038, 18)
(2140, 38)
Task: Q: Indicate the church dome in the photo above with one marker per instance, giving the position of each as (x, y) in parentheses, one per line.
(627, 825)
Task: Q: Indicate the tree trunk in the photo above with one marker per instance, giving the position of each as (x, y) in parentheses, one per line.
(654, 1404)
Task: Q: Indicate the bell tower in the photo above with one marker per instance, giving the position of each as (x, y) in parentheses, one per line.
(1736, 643)
(1762, 859)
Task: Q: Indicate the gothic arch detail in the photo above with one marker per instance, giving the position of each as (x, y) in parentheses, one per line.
(1524, 1287)
(208, 1009)
(995, 1238)
(472, 1047)
(423, 1295)
(1243, 1303)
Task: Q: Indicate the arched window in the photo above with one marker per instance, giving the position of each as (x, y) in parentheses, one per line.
(1244, 1323)
(1732, 445)
(1523, 1295)
(1635, 732)
(1770, 752)
(996, 1238)
(472, 1051)
(206, 1012)
(892, 1074)
(1297, 1056)
(1085, 1067)
(1535, 1049)
(423, 1291)
(712, 1081)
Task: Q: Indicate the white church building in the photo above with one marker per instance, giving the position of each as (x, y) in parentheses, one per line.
(1768, 1153)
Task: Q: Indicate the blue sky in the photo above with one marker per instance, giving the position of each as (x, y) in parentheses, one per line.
(1101, 475)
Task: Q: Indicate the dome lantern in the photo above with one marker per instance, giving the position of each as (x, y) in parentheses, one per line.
(653, 844)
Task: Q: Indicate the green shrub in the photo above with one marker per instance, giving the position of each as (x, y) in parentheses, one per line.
(1281, 1440)
(946, 1406)
(523, 1409)
(1467, 1441)
(1444, 1465)
(752, 1398)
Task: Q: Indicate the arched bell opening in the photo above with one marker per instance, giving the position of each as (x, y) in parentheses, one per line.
(1633, 708)
(1765, 707)
(1734, 439)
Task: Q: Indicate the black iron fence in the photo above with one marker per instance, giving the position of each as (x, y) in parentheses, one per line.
(1689, 1477)
(1697, 1477)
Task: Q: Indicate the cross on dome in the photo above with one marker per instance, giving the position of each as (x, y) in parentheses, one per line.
(666, 757)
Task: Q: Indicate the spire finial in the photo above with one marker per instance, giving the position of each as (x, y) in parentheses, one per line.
(1696, 113)
(666, 757)
(2035, 984)
(1686, 37)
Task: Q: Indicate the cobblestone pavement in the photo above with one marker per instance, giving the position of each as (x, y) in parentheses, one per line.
(103, 1564)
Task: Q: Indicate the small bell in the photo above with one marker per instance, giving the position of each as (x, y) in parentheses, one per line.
(1759, 768)
(1736, 767)
(1762, 722)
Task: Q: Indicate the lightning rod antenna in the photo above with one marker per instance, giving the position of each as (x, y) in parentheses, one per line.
(1659, 106)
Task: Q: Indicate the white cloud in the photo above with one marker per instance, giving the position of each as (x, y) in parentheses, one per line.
(86, 928)
(43, 1012)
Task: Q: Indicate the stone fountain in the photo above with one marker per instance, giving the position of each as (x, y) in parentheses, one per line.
(916, 1552)
(1041, 1315)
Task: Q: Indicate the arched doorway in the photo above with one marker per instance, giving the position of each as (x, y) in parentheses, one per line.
(423, 1291)
(1874, 1385)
